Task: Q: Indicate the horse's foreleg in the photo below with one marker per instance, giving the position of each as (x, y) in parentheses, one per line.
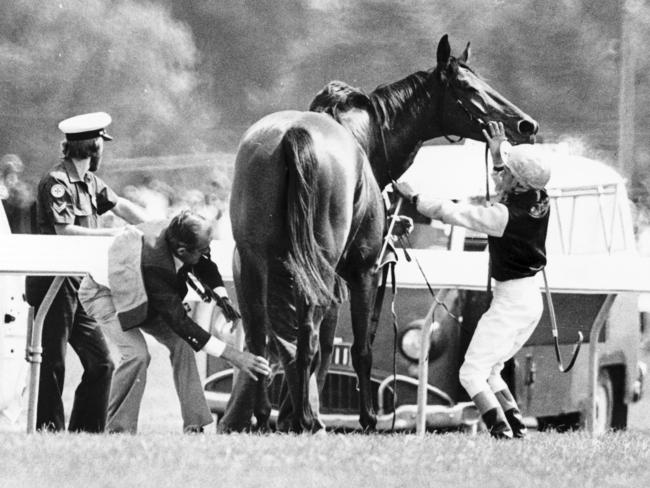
(362, 294)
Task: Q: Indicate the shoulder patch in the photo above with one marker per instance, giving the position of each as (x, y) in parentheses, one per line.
(539, 210)
(57, 191)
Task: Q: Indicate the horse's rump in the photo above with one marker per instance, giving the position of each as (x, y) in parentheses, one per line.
(300, 173)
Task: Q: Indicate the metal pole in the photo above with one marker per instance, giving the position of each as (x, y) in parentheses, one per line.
(423, 371)
(597, 326)
(627, 88)
(34, 351)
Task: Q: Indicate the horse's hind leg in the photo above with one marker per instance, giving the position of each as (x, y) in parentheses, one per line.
(294, 332)
(320, 366)
(326, 340)
(362, 294)
(306, 418)
(249, 397)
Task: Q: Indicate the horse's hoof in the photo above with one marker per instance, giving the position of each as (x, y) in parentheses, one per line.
(263, 427)
(229, 428)
(369, 425)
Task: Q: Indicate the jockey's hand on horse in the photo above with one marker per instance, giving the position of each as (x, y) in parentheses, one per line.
(495, 136)
(248, 363)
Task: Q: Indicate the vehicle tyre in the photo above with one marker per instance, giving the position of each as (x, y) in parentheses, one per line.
(604, 403)
(619, 407)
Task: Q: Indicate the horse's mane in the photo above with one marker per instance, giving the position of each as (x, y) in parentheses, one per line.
(349, 106)
(409, 94)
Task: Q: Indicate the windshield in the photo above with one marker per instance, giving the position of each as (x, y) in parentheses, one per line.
(591, 220)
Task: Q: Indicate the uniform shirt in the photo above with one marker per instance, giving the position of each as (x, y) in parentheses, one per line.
(64, 198)
(516, 229)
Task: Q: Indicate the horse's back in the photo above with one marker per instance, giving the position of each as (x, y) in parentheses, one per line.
(259, 194)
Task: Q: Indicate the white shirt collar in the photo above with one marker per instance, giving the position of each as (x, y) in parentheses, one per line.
(177, 263)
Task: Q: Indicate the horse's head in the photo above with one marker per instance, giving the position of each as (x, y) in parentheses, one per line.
(467, 102)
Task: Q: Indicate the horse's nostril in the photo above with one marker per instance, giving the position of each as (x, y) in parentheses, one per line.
(527, 127)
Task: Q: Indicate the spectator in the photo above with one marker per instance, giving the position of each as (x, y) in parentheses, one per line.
(16, 195)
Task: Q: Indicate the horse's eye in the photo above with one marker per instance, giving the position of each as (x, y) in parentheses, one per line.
(478, 104)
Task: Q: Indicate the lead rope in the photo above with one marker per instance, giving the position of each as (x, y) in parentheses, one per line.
(488, 288)
(380, 293)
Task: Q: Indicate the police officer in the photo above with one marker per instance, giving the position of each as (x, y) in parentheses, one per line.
(516, 227)
(70, 198)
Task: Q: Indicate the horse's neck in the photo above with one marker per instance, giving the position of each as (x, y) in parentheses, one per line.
(357, 121)
(407, 113)
(392, 152)
(399, 133)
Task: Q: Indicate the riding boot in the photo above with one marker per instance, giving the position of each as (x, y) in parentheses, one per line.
(493, 415)
(515, 419)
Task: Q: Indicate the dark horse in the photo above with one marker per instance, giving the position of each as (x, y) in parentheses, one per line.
(308, 218)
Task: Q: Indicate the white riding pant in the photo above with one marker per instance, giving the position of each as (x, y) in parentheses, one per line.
(502, 330)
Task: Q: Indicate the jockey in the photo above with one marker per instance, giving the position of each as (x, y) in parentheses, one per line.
(516, 227)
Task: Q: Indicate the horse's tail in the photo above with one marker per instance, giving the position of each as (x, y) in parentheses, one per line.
(307, 262)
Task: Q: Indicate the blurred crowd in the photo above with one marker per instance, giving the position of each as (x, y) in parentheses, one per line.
(16, 195)
(160, 200)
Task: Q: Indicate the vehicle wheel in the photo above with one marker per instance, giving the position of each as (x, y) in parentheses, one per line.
(559, 423)
(604, 403)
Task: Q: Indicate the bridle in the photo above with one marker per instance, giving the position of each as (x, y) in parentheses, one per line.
(449, 87)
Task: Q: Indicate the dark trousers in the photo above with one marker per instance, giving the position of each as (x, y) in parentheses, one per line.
(67, 322)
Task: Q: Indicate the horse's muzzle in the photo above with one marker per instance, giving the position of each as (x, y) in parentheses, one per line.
(527, 127)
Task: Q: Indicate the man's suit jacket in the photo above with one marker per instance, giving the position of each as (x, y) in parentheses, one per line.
(165, 287)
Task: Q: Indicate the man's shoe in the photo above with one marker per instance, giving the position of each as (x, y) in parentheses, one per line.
(193, 429)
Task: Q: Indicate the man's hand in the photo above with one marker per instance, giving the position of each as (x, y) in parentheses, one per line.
(229, 311)
(403, 226)
(495, 136)
(248, 363)
(405, 190)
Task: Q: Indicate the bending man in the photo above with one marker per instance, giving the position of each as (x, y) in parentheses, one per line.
(148, 268)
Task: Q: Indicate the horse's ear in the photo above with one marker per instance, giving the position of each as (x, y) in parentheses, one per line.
(464, 57)
(444, 51)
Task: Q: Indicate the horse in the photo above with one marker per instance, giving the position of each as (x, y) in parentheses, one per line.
(309, 220)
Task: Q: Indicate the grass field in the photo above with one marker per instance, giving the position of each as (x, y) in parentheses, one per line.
(450, 460)
(160, 456)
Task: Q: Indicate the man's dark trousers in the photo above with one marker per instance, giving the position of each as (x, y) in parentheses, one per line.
(66, 322)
